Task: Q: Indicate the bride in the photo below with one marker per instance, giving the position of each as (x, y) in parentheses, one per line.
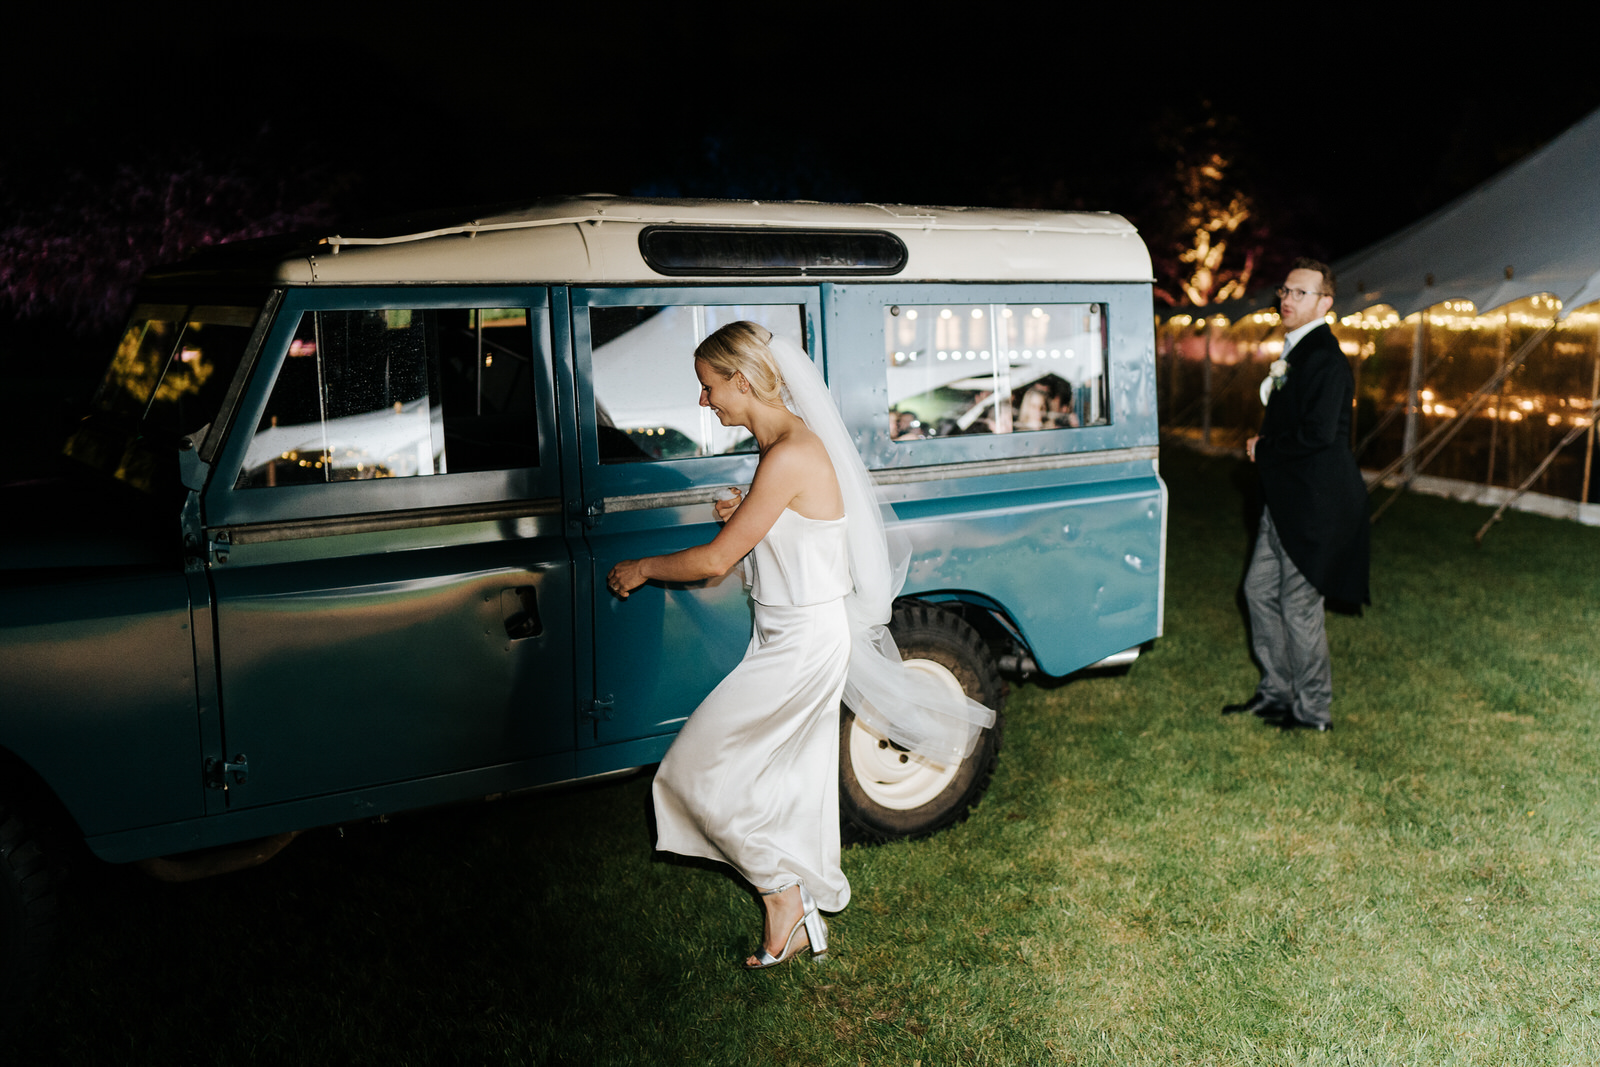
(752, 779)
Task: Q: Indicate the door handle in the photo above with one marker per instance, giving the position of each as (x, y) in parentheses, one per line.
(520, 607)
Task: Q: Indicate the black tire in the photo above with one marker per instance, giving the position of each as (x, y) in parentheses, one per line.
(28, 884)
(886, 793)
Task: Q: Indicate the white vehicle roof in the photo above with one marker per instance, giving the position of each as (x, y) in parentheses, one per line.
(596, 239)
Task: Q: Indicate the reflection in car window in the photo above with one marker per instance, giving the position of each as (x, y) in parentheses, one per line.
(190, 393)
(398, 393)
(994, 368)
(647, 399)
(141, 357)
(166, 382)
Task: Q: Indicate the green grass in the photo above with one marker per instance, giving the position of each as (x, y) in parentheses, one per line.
(1146, 882)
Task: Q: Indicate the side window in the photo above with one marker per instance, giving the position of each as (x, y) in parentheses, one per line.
(994, 368)
(167, 381)
(647, 399)
(398, 393)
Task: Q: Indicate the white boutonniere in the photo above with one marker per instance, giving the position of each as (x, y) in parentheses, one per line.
(1274, 379)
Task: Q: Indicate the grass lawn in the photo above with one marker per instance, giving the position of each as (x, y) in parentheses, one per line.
(1146, 882)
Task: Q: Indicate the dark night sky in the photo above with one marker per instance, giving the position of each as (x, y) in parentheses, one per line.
(434, 104)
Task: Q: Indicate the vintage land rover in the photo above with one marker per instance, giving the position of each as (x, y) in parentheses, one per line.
(331, 540)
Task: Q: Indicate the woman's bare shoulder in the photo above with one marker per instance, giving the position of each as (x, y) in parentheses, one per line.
(798, 450)
(801, 462)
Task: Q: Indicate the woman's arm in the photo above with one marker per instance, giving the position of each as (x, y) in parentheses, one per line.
(780, 477)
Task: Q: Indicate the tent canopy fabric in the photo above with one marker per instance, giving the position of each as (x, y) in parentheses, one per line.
(1533, 228)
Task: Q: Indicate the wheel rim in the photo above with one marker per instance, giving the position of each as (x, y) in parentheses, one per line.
(891, 776)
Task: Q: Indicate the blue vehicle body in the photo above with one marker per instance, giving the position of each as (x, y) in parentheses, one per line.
(274, 656)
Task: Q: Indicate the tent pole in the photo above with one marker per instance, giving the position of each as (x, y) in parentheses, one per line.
(1393, 411)
(1588, 448)
(1355, 397)
(1503, 342)
(1205, 391)
(1173, 366)
(1572, 435)
(1448, 430)
(1419, 343)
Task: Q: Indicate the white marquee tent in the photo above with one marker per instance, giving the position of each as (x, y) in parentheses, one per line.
(1534, 228)
(1531, 230)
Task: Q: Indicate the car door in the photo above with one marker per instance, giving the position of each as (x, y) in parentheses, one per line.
(392, 589)
(652, 462)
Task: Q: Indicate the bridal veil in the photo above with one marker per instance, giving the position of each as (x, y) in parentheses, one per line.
(911, 708)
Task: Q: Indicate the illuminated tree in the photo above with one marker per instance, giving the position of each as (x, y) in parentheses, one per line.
(1206, 231)
(1214, 216)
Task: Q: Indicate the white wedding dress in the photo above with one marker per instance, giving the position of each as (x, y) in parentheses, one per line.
(753, 777)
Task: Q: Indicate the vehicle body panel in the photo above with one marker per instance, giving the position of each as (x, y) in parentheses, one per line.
(355, 645)
(100, 693)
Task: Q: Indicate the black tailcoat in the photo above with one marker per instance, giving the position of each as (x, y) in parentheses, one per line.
(1309, 477)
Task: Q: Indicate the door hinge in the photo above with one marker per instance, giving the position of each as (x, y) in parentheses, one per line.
(219, 771)
(600, 708)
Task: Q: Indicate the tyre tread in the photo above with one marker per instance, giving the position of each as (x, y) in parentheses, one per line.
(920, 628)
(28, 909)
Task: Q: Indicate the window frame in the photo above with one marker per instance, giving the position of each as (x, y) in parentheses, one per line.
(989, 367)
(228, 505)
(857, 315)
(691, 472)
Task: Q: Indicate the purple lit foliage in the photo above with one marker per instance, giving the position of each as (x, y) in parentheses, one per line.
(79, 252)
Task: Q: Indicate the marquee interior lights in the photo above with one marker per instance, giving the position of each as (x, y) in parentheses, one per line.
(1376, 317)
(1455, 321)
(1538, 322)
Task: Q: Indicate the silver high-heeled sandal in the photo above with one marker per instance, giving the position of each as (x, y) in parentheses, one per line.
(816, 932)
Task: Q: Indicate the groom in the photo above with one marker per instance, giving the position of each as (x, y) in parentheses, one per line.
(1312, 542)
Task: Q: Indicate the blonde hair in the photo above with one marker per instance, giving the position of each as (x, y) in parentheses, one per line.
(741, 348)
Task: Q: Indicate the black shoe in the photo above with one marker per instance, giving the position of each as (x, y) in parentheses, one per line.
(1258, 704)
(1289, 722)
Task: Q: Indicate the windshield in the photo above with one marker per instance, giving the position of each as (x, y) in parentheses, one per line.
(165, 384)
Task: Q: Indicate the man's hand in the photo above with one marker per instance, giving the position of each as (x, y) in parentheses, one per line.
(1250, 448)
